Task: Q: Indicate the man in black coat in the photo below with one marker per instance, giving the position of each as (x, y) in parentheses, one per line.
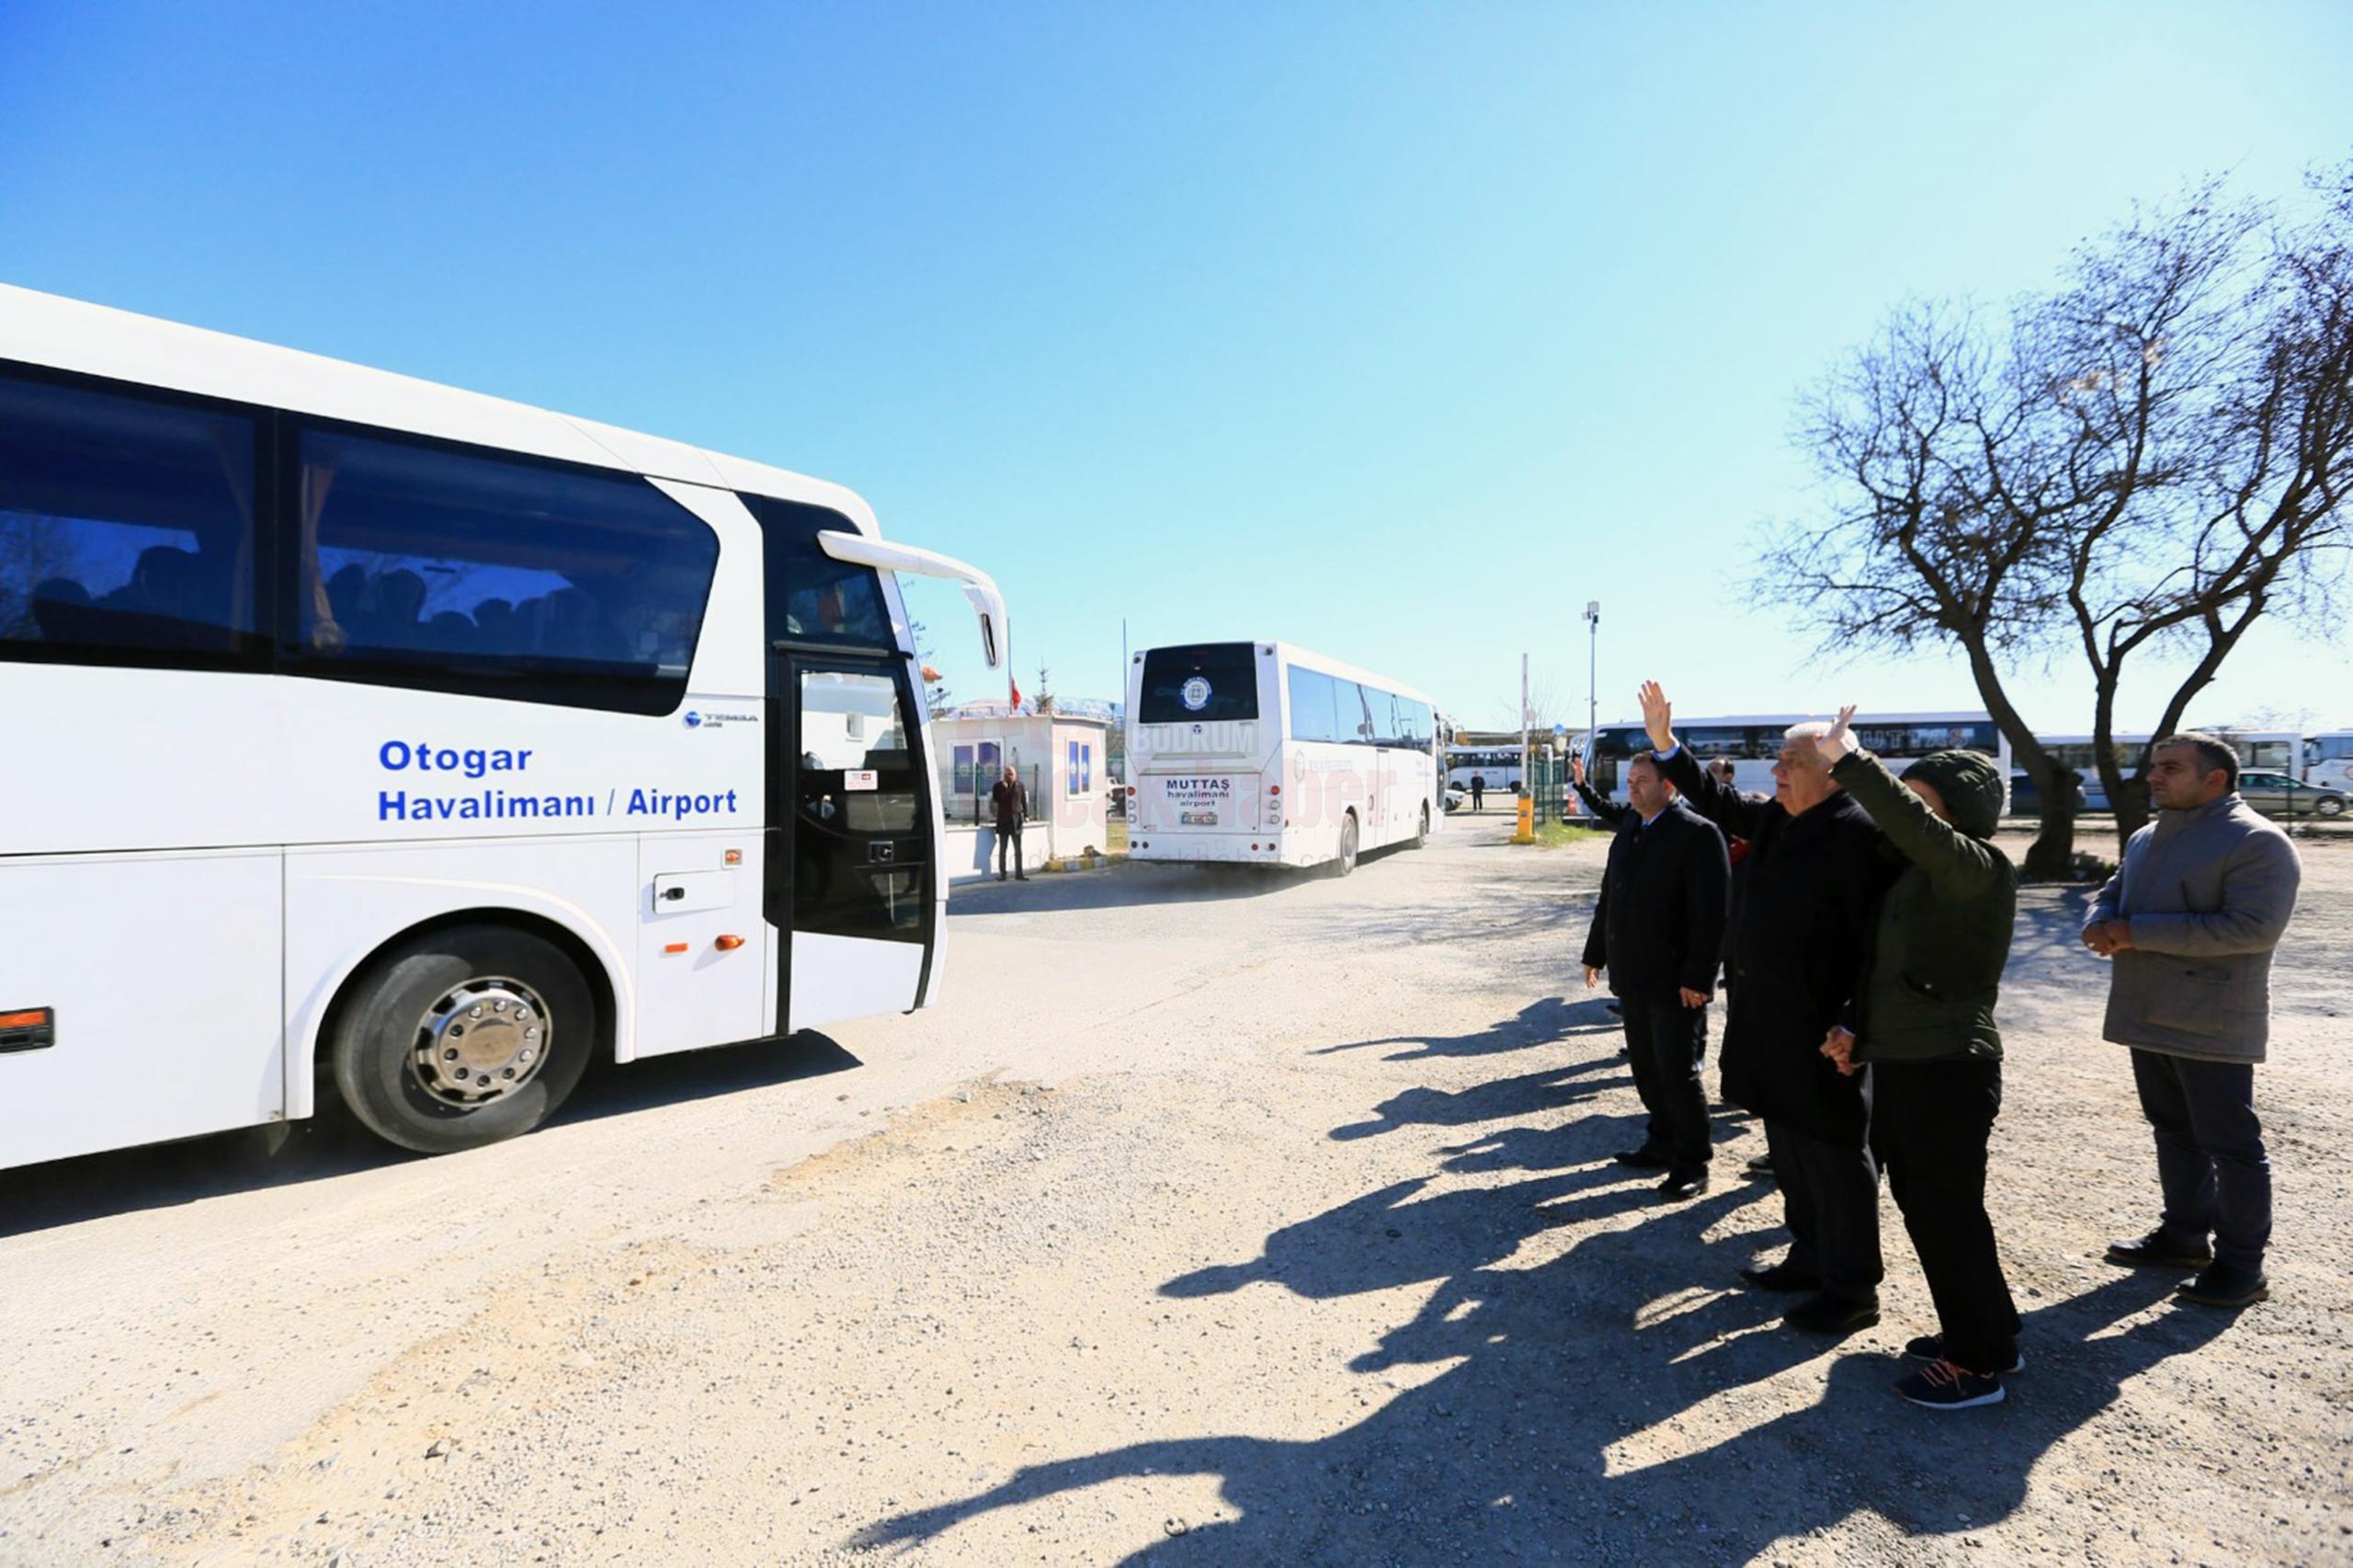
(1658, 928)
(1810, 889)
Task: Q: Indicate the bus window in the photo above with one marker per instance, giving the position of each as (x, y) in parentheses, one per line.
(811, 596)
(126, 530)
(424, 567)
(1214, 683)
(1315, 710)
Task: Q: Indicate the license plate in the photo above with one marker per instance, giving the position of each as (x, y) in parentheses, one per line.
(1197, 819)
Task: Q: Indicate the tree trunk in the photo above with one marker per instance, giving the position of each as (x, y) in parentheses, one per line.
(2052, 857)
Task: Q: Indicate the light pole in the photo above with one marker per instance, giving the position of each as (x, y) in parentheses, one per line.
(1592, 666)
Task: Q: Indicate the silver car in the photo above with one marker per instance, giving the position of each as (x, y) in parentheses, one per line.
(2276, 795)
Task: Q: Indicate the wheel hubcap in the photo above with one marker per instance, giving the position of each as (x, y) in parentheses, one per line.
(482, 1040)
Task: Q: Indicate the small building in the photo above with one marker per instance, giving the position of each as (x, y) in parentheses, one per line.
(1062, 759)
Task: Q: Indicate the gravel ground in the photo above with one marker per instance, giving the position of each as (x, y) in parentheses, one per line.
(1213, 1220)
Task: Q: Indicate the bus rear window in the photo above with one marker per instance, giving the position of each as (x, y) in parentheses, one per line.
(1213, 683)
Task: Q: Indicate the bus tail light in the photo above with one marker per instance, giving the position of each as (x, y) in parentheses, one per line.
(1274, 789)
(28, 1028)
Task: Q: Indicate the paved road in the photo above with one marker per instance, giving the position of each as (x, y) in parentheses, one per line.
(1211, 1219)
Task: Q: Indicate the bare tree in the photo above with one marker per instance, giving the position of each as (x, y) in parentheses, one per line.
(2149, 458)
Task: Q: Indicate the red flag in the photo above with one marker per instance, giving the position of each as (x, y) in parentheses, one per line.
(1016, 688)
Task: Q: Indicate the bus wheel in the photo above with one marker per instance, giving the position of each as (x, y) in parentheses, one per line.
(1346, 861)
(464, 1036)
(1422, 833)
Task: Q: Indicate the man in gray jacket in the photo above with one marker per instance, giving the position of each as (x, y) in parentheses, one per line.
(2190, 918)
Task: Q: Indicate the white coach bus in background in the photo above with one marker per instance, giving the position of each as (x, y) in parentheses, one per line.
(425, 744)
(1752, 743)
(1264, 754)
(2328, 759)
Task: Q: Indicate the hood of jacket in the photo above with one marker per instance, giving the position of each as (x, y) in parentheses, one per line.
(1970, 785)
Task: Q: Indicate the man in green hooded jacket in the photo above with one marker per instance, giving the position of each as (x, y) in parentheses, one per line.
(1923, 1022)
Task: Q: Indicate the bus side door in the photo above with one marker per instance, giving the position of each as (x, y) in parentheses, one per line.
(850, 840)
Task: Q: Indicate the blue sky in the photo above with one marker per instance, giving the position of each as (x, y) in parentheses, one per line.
(1395, 331)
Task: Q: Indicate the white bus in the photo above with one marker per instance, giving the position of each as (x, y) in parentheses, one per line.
(1263, 754)
(1753, 741)
(1497, 767)
(2328, 759)
(422, 743)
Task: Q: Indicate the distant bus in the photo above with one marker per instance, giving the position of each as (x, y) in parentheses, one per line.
(2329, 758)
(1751, 742)
(1498, 766)
(1264, 754)
(423, 746)
(2277, 751)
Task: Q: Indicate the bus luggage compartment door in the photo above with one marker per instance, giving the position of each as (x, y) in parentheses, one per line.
(161, 976)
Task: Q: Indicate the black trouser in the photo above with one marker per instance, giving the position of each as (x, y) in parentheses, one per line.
(1930, 1122)
(1667, 1042)
(1830, 1200)
(2210, 1158)
(1008, 841)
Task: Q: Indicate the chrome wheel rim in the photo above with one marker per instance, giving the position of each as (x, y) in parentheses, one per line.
(481, 1041)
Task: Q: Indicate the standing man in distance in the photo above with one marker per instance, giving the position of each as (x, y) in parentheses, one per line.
(1810, 886)
(1658, 929)
(1478, 791)
(2190, 918)
(1924, 1022)
(1011, 803)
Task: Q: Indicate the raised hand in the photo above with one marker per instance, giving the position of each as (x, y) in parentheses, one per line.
(1576, 765)
(1838, 741)
(1658, 715)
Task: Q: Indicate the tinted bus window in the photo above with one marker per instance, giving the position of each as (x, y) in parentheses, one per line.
(812, 598)
(126, 531)
(419, 566)
(1214, 683)
(1315, 705)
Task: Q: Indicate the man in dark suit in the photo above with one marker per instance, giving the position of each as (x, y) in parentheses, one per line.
(1011, 803)
(1808, 906)
(1658, 929)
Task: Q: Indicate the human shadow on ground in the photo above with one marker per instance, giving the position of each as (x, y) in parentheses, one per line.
(333, 1143)
(1527, 1093)
(1581, 1413)
(1541, 1022)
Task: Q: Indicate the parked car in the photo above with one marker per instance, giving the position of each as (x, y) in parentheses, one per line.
(1456, 797)
(2026, 801)
(2276, 795)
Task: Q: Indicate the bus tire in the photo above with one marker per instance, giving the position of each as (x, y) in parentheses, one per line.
(1346, 861)
(501, 1009)
(1422, 833)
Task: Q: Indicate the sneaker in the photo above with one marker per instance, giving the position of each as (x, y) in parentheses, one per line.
(1644, 1159)
(1940, 1385)
(1931, 1347)
(1761, 1168)
(1681, 1185)
(2219, 1285)
(1781, 1277)
(1823, 1313)
(2158, 1250)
